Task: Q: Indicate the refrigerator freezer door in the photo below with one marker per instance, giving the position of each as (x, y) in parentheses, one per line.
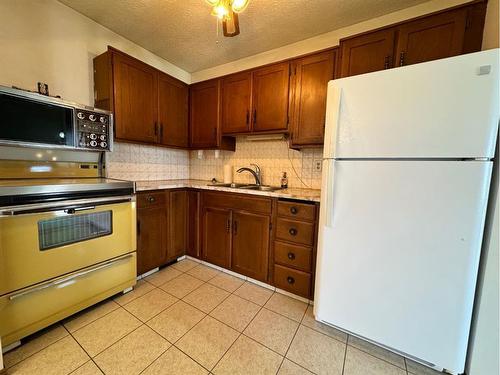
(399, 252)
(446, 108)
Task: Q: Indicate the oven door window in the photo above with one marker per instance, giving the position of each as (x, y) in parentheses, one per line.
(70, 229)
(24, 120)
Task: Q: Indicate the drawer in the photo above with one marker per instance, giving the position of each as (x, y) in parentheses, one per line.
(28, 310)
(295, 231)
(150, 199)
(293, 281)
(232, 201)
(293, 255)
(297, 211)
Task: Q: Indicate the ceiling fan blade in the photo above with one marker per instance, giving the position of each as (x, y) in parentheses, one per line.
(231, 25)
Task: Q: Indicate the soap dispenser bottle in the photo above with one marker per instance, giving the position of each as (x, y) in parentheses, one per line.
(284, 181)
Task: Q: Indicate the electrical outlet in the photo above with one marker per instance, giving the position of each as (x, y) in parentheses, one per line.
(317, 165)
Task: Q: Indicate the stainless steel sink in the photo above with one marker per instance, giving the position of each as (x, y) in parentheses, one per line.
(232, 185)
(247, 186)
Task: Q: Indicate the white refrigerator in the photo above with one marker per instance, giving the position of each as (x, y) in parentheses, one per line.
(406, 175)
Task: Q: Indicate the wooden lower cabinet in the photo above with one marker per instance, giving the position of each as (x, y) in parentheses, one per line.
(151, 238)
(217, 236)
(193, 230)
(177, 234)
(250, 252)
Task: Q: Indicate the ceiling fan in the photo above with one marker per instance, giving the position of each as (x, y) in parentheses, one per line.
(227, 12)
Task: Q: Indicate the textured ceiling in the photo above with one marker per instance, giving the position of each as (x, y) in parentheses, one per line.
(184, 33)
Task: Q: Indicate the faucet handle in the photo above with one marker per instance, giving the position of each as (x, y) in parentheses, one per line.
(257, 168)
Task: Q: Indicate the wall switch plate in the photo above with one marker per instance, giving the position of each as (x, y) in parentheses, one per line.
(317, 165)
(43, 88)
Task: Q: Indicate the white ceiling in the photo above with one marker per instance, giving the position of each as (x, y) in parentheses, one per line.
(184, 33)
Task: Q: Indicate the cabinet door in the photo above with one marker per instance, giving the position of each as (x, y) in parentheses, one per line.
(178, 222)
(151, 238)
(172, 111)
(250, 252)
(310, 82)
(270, 98)
(204, 110)
(431, 38)
(135, 100)
(193, 245)
(235, 97)
(367, 53)
(217, 236)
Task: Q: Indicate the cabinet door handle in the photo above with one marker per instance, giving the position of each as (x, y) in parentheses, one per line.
(151, 199)
(235, 227)
(228, 225)
(387, 62)
(291, 256)
(290, 280)
(292, 231)
(294, 210)
(402, 58)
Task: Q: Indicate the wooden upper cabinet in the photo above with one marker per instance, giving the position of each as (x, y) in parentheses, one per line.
(431, 38)
(236, 103)
(310, 76)
(135, 100)
(367, 52)
(172, 111)
(250, 251)
(270, 98)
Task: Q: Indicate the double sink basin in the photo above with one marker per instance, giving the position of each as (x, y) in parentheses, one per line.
(247, 186)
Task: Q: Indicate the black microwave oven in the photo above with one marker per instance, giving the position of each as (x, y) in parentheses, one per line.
(34, 120)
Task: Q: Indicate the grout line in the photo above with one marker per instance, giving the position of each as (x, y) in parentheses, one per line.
(345, 357)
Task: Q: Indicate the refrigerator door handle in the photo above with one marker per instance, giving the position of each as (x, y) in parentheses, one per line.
(332, 121)
(328, 192)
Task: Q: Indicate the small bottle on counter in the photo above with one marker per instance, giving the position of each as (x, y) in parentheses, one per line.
(284, 181)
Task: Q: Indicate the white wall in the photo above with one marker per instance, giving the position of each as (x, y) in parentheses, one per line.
(332, 38)
(44, 40)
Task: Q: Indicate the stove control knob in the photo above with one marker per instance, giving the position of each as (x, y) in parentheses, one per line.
(102, 137)
(92, 118)
(93, 143)
(80, 115)
(102, 119)
(93, 136)
(103, 144)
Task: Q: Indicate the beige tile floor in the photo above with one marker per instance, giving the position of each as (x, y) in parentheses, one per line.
(192, 319)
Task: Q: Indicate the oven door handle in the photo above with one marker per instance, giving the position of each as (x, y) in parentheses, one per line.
(50, 284)
(67, 207)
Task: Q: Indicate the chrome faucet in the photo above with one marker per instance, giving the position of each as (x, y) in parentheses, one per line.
(256, 173)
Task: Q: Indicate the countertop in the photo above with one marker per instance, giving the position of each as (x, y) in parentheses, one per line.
(312, 195)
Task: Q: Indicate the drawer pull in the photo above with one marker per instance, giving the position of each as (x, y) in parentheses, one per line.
(290, 280)
(291, 256)
(292, 231)
(151, 199)
(294, 210)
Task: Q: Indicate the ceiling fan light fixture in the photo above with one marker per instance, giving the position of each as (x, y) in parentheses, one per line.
(239, 5)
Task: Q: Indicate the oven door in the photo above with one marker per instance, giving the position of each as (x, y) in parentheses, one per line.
(40, 242)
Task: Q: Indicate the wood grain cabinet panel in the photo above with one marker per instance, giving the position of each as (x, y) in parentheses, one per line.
(173, 112)
(297, 210)
(294, 256)
(178, 223)
(250, 250)
(431, 38)
(294, 281)
(367, 52)
(295, 231)
(135, 100)
(236, 103)
(310, 77)
(270, 98)
(217, 236)
(204, 114)
(194, 246)
(151, 238)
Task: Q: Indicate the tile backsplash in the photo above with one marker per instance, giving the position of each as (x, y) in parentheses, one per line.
(138, 162)
(273, 157)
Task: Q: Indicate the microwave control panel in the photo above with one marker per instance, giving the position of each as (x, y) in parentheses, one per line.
(93, 130)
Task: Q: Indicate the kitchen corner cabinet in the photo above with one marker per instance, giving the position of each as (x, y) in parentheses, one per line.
(309, 84)
(162, 224)
(256, 101)
(236, 232)
(444, 34)
(148, 105)
(205, 117)
(193, 244)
